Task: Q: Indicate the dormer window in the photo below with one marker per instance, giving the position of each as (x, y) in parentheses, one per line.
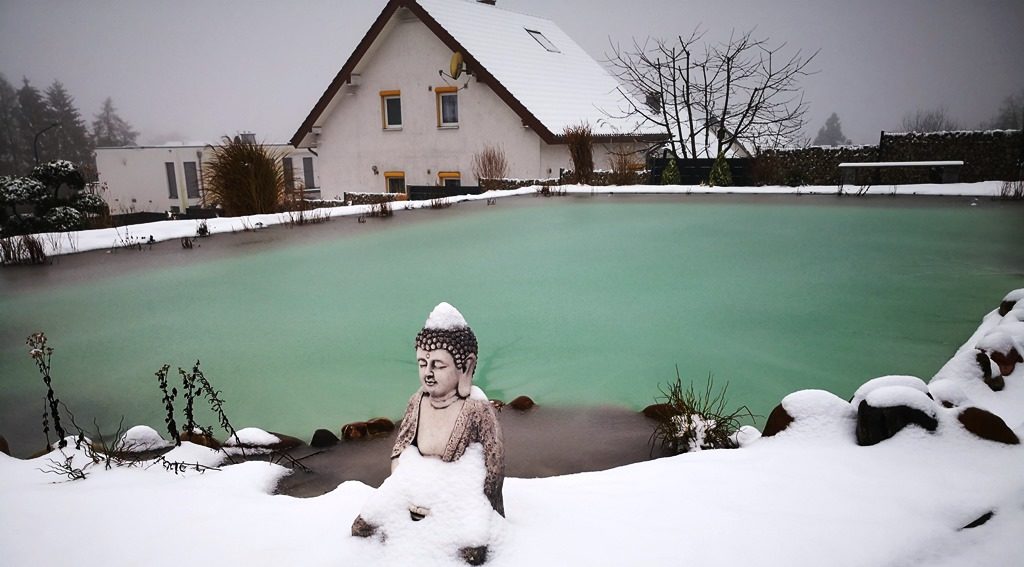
(543, 41)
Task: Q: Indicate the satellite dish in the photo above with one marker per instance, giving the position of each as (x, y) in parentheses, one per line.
(456, 65)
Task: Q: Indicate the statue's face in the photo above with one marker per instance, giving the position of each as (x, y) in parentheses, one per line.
(438, 373)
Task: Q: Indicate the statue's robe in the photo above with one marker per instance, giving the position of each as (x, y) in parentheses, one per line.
(476, 423)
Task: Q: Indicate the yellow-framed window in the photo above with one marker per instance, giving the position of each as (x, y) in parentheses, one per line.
(449, 178)
(447, 107)
(391, 110)
(394, 181)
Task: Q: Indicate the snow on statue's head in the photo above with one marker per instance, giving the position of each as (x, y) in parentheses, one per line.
(446, 330)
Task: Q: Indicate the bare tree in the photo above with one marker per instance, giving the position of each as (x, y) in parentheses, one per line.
(934, 120)
(710, 98)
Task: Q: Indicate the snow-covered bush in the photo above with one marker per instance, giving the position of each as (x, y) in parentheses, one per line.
(63, 219)
(88, 202)
(59, 172)
(21, 190)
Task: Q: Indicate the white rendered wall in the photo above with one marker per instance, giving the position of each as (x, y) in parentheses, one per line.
(407, 57)
(134, 179)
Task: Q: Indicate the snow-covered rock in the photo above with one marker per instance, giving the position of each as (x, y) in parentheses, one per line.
(142, 438)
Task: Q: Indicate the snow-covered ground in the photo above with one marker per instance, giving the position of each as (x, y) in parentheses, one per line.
(107, 238)
(809, 495)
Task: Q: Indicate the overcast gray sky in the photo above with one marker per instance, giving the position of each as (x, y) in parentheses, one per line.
(198, 69)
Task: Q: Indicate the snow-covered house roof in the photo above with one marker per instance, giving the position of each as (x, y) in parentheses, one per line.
(529, 62)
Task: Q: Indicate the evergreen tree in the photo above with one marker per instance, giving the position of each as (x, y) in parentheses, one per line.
(11, 161)
(831, 134)
(110, 130)
(71, 141)
(670, 175)
(1010, 115)
(721, 175)
(32, 118)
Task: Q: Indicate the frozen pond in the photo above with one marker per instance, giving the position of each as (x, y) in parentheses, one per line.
(575, 301)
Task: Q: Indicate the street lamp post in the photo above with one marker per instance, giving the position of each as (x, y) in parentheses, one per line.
(35, 141)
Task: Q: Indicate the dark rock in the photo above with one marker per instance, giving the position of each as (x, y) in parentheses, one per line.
(987, 425)
(287, 442)
(878, 424)
(379, 426)
(361, 528)
(474, 555)
(323, 438)
(777, 421)
(660, 412)
(1006, 361)
(985, 363)
(1005, 307)
(980, 521)
(995, 384)
(522, 403)
(353, 431)
(4, 448)
(200, 439)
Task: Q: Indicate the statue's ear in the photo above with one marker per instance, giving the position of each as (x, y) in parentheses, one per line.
(466, 381)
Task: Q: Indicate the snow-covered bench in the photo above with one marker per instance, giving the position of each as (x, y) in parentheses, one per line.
(949, 170)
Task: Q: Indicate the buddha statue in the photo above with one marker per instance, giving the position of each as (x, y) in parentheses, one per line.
(447, 414)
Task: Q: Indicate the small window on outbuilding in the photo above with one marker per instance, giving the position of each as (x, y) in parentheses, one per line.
(543, 41)
(395, 181)
(307, 173)
(172, 180)
(391, 109)
(191, 180)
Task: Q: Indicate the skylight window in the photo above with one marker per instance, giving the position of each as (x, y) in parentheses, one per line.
(543, 41)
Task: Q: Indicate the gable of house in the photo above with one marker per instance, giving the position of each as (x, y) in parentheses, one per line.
(536, 69)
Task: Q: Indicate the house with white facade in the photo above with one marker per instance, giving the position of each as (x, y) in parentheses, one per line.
(168, 178)
(434, 82)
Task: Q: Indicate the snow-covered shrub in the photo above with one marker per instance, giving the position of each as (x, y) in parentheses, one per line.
(88, 202)
(59, 172)
(21, 190)
(63, 219)
(700, 420)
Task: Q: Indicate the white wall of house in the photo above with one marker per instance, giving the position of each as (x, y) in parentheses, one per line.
(406, 57)
(135, 179)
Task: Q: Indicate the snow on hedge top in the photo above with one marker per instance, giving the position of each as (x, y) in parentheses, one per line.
(444, 316)
(886, 381)
(142, 438)
(252, 437)
(561, 87)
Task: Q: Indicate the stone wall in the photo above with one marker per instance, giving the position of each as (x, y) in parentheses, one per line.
(370, 198)
(989, 155)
